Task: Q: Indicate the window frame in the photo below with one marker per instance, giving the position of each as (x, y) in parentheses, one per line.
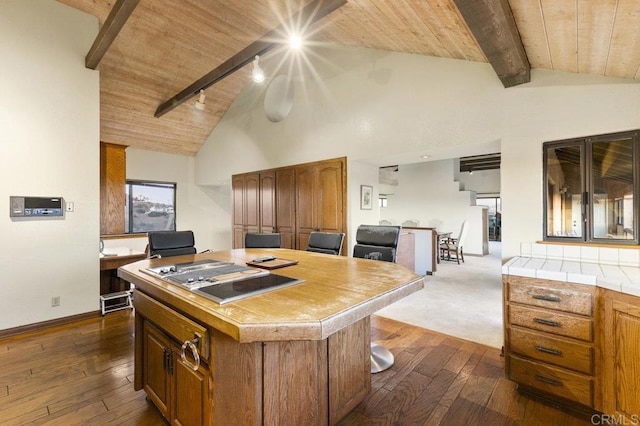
(129, 202)
(587, 185)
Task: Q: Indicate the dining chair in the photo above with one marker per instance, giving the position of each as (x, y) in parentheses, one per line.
(262, 240)
(171, 243)
(325, 242)
(455, 245)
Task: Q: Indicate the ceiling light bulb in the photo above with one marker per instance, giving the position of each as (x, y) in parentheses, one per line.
(200, 101)
(424, 156)
(295, 41)
(257, 73)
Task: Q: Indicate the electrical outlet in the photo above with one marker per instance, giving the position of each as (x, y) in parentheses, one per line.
(55, 301)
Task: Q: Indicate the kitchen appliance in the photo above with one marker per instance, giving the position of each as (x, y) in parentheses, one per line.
(220, 281)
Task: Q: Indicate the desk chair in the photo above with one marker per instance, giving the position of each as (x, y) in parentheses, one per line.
(325, 242)
(171, 243)
(378, 242)
(258, 240)
(455, 245)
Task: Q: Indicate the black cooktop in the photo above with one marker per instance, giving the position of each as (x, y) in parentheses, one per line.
(222, 282)
(235, 290)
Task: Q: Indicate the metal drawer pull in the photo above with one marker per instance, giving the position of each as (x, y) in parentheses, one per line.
(547, 322)
(549, 350)
(548, 381)
(546, 298)
(192, 344)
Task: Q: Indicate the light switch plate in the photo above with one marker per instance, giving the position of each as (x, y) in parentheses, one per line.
(69, 206)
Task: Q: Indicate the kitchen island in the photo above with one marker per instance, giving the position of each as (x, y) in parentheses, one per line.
(293, 355)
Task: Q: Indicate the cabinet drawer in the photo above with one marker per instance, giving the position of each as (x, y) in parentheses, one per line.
(573, 355)
(171, 322)
(548, 294)
(553, 380)
(552, 322)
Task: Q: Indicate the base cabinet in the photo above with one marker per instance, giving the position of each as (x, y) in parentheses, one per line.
(178, 391)
(621, 357)
(574, 343)
(289, 382)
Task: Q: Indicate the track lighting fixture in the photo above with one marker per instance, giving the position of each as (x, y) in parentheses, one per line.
(200, 101)
(257, 73)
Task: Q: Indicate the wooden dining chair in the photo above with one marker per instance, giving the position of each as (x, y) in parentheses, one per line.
(454, 246)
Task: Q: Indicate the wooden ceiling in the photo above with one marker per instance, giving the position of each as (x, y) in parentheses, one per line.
(167, 45)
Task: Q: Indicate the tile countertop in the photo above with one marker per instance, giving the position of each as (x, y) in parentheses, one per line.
(624, 279)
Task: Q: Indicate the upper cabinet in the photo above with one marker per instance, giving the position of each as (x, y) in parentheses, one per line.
(293, 201)
(112, 188)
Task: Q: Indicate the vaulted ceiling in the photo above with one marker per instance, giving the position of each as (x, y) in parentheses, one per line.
(164, 46)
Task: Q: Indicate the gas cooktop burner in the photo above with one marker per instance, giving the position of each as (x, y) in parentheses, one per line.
(221, 281)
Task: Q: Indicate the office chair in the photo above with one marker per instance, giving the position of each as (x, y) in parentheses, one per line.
(258, 240)
(171, 243)
(378, 242)
(325, 242)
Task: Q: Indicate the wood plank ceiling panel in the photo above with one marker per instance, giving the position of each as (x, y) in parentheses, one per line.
(531, 25)
(624, 53)
(595, 25)
(560, 18)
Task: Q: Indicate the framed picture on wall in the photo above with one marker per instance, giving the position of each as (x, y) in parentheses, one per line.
(366, 197)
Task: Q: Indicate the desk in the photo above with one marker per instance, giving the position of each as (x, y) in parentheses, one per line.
(110, 260)
(295, 355)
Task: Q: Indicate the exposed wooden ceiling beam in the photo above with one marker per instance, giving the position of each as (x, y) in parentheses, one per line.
(119, 14)
(493, 26)
(309, 14)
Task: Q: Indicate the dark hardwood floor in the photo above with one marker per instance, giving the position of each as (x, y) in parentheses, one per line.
(82, 374)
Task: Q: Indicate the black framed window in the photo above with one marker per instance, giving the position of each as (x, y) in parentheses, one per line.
(150, 206)
(591, 188)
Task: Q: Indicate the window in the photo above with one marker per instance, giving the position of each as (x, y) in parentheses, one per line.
(150, 206)
(591, 188)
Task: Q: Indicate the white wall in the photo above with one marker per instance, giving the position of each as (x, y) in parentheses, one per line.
(481, 181)
(378, 107)
(49, 146)
(359, 174)
(204, 210)
(428, 193)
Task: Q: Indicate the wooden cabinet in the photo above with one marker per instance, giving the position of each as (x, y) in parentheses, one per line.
(286, 206)
(181, 394)
(293, 201)
(549, 338)
(320, 189)
(267, 201)
(246, 206)
(112, 188)
(621, 356)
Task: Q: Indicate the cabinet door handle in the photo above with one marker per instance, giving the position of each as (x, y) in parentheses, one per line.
(549, 350)
(191, 344)
(548, 381)
(546, 298)
(547, 322)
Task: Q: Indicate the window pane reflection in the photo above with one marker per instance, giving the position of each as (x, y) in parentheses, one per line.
(564, 191)
(612, 182)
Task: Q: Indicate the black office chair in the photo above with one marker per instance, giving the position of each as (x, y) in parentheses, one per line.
(171, 243)
(258, 240)
(378, 242)
(325, 242)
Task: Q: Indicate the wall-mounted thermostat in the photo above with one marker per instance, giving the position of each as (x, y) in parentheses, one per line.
(35, 206)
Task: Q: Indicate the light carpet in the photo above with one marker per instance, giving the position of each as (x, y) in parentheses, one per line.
(463, 300)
